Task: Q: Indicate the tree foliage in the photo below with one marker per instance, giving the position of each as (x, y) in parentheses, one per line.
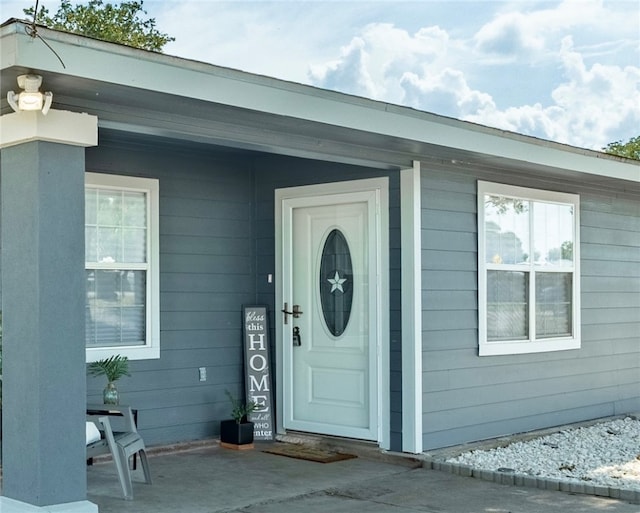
(502, 204)
(121, 23)
(630, 149)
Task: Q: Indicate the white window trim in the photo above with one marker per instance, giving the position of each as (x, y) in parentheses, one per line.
(150, 186)
(492, 348)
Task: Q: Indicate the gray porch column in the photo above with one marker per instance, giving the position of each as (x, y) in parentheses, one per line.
(43, 294)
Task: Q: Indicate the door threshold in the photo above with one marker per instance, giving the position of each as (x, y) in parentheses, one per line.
(305, 437)
(365, 449)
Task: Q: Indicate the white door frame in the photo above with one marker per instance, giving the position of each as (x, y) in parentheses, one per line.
(382, 347)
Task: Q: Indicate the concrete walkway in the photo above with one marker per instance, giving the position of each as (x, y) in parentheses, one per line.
(214, 480)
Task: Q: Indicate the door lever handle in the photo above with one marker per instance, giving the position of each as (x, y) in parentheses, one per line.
(296, 312)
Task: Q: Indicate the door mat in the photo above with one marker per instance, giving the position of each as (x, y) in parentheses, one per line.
(305, 452)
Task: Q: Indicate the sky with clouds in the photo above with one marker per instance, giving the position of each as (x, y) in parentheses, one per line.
(567, 71)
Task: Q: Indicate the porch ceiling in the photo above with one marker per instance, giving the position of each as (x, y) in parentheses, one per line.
(189, 119)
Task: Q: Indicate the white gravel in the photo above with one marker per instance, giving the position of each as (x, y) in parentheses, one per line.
(606, 454)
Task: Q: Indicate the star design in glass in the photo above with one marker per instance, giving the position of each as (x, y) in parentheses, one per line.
(336, 283)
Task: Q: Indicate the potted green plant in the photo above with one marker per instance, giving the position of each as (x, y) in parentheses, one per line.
(237, 432)
(113, 368)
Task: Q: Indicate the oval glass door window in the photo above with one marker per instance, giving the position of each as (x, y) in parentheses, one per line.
(336, 283)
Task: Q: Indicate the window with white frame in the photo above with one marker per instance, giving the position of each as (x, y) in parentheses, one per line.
(528, 270)
(122, 271)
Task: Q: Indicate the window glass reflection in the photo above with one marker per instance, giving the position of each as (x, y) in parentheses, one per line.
(507, 305)
(553, 305)
(115, 226)
(553, 234)
(506, 230)
(115, 314)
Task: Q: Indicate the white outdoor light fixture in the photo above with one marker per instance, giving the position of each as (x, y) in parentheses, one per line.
(31, 98)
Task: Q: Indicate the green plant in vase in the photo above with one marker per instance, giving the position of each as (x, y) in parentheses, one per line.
(113, 368)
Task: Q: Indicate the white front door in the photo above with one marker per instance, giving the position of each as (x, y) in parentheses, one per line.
(331, 262)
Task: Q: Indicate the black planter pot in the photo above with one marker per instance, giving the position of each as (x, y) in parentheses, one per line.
(238, 436)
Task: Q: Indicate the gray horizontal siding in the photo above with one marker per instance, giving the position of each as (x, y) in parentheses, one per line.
(199, 282)
(593, 300)
(204, 245)
(450, 300)
(433, 239)
(467, 397)
(207, 268)
(454, 382)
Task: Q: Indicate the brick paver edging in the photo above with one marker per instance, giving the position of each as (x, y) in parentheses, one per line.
(512, 478)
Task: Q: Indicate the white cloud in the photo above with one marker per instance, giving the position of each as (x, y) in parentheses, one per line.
(599, 99)
(589, 108)
(525, 30)
(446, 93)
(374, 61)
(387, 63)
(349, 73)
(584, 104)
(278, 39)
(509, 35)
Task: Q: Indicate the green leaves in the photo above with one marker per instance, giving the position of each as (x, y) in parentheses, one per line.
(113, 368)
(240, 410)
(108, 22)
(630, 149)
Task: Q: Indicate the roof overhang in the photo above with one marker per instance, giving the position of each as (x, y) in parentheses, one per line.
(153, 94)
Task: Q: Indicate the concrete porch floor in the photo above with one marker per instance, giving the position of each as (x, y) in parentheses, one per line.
(210, 479)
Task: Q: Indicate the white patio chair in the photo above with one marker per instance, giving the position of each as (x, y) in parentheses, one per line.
(120, 441)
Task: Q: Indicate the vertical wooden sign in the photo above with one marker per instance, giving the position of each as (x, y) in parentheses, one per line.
(258, 371)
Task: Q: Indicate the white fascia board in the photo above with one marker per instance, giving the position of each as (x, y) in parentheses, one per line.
(117, 64)
(8, 43)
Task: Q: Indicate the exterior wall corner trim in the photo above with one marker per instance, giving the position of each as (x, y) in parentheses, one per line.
(411, 310)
